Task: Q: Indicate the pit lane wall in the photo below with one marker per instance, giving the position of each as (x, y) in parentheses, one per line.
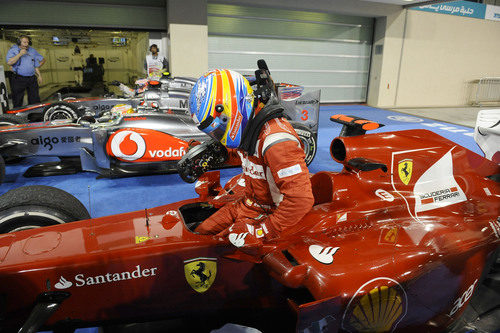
(424, 58)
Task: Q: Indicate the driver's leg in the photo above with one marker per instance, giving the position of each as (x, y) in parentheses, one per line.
(219, 221)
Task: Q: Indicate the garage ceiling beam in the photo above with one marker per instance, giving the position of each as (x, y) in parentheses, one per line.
(345, 7)
(88, 15)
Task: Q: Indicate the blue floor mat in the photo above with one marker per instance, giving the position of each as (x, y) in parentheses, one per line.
(112, 196)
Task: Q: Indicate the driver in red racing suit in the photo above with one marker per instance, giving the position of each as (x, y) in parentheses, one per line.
(277, 186)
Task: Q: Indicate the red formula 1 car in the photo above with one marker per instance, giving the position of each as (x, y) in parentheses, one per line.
(397, 241)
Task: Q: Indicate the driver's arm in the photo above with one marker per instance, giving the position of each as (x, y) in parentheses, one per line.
(233, 157)
(292, 182)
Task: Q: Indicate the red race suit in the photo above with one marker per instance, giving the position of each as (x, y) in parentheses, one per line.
(277, 188)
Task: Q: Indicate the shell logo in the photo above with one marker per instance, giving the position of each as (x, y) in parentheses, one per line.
(128, 145)
(378, 306)
(145, 145)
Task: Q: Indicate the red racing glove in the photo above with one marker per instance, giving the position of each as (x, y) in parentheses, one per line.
(192, 143)
(249, 233)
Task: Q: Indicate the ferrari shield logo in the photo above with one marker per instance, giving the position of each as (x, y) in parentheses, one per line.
(405, 168)
(200, 273)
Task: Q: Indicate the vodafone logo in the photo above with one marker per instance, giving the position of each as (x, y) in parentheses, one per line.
(167, 152)
(128, 145)
(139, 145)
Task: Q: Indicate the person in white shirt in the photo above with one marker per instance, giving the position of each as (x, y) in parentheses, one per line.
(154, 62)
(76, 64)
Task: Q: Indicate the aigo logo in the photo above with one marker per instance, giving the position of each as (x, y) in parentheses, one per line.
(145, 145)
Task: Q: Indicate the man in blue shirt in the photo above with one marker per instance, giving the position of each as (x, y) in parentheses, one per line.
(25, 62)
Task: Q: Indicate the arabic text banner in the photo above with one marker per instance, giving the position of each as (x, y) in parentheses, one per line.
(458, 8)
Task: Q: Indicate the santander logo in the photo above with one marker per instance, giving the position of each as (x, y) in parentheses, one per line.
(63, 283)
(128, 145)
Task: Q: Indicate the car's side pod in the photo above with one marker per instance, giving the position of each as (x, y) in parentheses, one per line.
(353, 125)
(45, 305)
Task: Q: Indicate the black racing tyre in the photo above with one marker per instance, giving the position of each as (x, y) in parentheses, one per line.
(4, 97)
(11, 119)
(60, 110)
(2, 169)
(309, 140)
(67, 97)
(37, 206)
(8, 120)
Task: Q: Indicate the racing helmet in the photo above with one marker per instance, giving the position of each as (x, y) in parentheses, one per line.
(221, 103)
(120, 109)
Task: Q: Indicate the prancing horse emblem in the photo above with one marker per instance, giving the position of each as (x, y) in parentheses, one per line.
(200, 273)
(405, 168)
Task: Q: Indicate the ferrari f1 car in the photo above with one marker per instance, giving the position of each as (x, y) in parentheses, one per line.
(139, 143)
(399, 240)
(165, 94)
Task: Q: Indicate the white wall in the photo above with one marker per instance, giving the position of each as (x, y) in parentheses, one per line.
(389, 33)
(189, 49)
(430, 59)
(442, 54)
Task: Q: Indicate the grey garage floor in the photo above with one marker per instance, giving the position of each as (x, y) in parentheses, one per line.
(465, 116)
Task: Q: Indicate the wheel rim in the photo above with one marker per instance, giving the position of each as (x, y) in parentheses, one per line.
(6, 123)
(309, 146)
(59, 113)
(26, 227)
(306, 146)
(29, 220)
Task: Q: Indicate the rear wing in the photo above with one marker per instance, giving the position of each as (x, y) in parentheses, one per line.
(353, 125)
(302, 108)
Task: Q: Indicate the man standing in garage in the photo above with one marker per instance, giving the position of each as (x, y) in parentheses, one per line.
(76, 64)
(25, 62)
(154, 62)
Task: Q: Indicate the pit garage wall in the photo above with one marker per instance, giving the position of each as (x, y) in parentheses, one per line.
(430, 59)
(188, 33)
(124, 64)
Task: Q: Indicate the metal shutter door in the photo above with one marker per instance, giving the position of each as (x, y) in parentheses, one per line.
(317, 50)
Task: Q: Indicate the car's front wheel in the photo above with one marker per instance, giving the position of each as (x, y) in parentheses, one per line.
(38, 206)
